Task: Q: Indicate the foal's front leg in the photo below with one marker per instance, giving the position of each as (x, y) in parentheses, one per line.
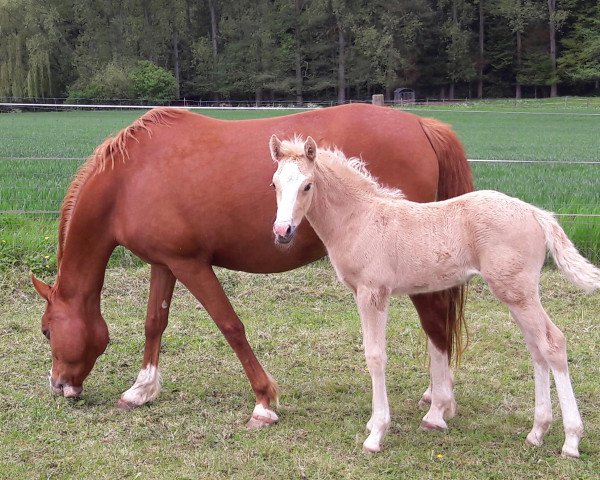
(373, 309)
(147, 385)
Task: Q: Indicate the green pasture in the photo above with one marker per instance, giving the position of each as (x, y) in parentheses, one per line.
(556, 131)
(305, 330)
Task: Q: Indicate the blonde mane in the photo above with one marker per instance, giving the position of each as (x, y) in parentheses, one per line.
(109, 150)
(351, 170)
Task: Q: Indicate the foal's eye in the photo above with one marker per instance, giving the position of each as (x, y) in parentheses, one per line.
(46, 333)
(272, 185)
(307, 188)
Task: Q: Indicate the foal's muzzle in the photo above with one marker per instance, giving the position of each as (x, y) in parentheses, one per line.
(284, 232)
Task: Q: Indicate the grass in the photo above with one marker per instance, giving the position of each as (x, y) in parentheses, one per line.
(304, 328)
(489, 130)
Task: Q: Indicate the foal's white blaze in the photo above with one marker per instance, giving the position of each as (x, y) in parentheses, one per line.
(146, 387)
(289, 178)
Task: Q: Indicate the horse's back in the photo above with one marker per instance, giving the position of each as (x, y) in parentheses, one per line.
(199, 186)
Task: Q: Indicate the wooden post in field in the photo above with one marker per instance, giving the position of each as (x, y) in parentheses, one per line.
(378, 100)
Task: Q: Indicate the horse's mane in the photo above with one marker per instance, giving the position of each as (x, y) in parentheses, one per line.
(112, 148)
(352, 170)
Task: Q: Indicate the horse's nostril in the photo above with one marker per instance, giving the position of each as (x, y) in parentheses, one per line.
(288, 230)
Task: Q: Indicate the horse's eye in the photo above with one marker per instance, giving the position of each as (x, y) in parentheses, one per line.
(307, 188)
(272, 185)
(46, 333)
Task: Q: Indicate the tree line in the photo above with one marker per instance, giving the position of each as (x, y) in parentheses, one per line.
(298, 50)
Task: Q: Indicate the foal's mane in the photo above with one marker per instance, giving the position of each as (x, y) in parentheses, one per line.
(112, 148)
(332, 162)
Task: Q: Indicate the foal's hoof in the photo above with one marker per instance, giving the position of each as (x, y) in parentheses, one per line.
(371, 447)
(569, 452)
(432, 427)
(125, 406)
(533, 440)
(262, 417)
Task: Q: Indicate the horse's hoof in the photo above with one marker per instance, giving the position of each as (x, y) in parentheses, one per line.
(258, 421)
(569, 452)
(432, 427)
(124, 405)
(262, 417)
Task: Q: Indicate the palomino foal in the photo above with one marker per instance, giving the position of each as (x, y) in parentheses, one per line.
(381, 244)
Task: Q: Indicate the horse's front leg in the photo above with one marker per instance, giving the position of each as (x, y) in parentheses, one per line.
(202, 282)
(147, 385)
(373, 308)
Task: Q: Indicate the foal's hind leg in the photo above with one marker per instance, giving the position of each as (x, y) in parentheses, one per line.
(147, 385)
(433, 310)
(547, 346)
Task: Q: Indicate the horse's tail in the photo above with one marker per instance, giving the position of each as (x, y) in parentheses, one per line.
(454, 178)
(575, 267)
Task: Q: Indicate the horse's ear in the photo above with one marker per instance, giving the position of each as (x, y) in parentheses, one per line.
(275, 146)
(42, 288)
(310, 149)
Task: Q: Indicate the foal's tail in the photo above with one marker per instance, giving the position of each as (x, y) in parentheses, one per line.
(576, 268)
(455, 178)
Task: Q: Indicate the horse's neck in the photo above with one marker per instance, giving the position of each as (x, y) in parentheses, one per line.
(85, 254)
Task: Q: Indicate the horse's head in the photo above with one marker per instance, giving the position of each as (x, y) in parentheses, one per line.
(293, 183)
(76, 339)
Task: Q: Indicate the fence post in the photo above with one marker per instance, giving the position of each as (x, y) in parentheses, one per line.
(378, 100)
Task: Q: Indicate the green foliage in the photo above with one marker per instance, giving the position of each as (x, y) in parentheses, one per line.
(580, 61)
(152, 82)
(111, 82)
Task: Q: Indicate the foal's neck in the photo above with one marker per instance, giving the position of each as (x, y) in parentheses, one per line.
(337, 205)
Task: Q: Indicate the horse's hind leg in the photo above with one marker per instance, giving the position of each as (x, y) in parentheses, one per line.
(547, 346)
(147, 385)
(433, 311)
(202, 282)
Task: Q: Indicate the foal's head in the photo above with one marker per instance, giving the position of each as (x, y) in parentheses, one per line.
(76, 342)
(293, 183)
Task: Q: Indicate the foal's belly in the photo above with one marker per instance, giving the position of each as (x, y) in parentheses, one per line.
(434, 281)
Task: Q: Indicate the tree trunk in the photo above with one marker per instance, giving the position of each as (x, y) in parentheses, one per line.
(552, 28)
(298, 54)
(451, 91)
(519, 48)
(213, 40)
(176, 61)
(481, 33)
(341, 65)
(213, 28)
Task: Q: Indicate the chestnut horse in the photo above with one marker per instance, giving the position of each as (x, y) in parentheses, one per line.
(382, 244)
(185, 192)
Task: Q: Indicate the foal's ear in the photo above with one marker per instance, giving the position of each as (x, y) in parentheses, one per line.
(42, 288)
(310, 149)
(275, 146)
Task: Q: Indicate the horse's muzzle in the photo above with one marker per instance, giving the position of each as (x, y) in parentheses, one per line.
(59, 388)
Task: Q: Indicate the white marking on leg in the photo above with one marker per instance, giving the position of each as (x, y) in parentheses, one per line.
(542, 417)
(570, 413)
(443, 404)
(146, 387)
(262, 417)
(165, 305)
